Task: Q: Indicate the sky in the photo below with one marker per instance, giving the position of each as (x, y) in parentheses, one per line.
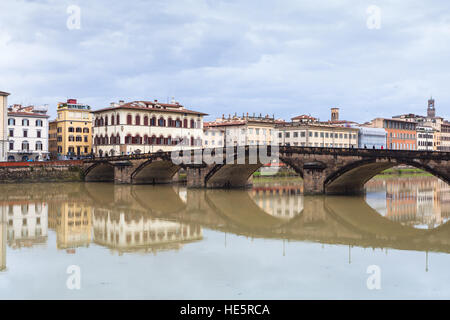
(288, 57)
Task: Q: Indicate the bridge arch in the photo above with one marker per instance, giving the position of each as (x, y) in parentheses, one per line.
(230, 175)
(352, 177)
(99, 172)
(154, 171)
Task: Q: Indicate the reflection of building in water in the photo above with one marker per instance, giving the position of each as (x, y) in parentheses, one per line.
(72, 223)
(135, 232)
(284, 202)
(416, 201)
(27, 223)
(2, 238)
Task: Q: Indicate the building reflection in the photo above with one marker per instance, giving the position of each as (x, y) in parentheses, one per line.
(280, 201)
(133, 231)
(3, 227)
(27, 223)
(71, 221)
(421, 201)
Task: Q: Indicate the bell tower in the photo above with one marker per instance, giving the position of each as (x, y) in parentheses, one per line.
(431, 111)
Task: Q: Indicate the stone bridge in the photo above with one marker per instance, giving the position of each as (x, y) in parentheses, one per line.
(324, 170)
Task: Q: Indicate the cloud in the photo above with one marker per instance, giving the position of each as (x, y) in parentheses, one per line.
(284, 57)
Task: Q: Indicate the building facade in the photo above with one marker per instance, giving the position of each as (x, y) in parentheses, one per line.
(27, 133)
(371, 138)
(316, 134)
(213, 137)
(3, 125)
(74, 130)
(53, 139)
(245, 130)
(426, 138)
(401, 134)
(146, 126)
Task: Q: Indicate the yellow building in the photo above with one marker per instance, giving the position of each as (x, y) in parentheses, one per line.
(73, 129)
(72, 223)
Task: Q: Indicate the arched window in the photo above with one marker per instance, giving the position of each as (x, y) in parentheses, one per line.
(118, 119)
(112, 140)
(38, 123)
(85, 130)
(129, 119)
(153, 140)
(192, 123)
(146, 139)
(153, 121)
(71, 138)
(192, 141)
(161, 122)
(106, 120)
(112, 120)
(169, 140)
(128, 139)
(79, 138)
(138, 120)
(11, 122)
(136, 140)
(25, 122)
(178, 123)
(101, 121)
(185, 123)
(71, 129)
(118, 139)
(145, 121)
(78, 129)
(169, 122)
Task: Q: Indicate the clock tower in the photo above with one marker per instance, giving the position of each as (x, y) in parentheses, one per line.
(431, 111)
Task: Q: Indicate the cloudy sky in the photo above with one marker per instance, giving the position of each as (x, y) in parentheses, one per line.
(286, 57)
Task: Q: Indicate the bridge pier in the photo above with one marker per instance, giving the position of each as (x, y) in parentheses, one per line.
(195, 176)
(313, 178)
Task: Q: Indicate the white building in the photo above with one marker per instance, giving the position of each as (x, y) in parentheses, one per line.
(27, 133)
(3, 125)
(371, 138)
(213, 137)
(146, 126)
(27, 223)
(425, 138)
(114, 230)
(245, 130)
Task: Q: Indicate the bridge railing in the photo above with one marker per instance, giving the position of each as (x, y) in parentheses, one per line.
(409, 154)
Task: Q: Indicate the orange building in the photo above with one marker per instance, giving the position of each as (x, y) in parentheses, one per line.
(401, 134)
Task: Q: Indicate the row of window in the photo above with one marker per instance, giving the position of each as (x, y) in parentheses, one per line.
(25, 122)
(25, 133)
(72, 150)
(399, 125)
(400, 135)
(402, 146)
(26, 146)
(161, 122)
(154, 140)
(322, 145)
(317, 134)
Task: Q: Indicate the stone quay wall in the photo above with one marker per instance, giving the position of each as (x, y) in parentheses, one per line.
(36, 172)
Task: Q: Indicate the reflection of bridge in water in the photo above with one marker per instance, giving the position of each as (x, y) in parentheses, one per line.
(136, 218)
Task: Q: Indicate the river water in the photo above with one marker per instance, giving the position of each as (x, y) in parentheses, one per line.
(99, 241)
